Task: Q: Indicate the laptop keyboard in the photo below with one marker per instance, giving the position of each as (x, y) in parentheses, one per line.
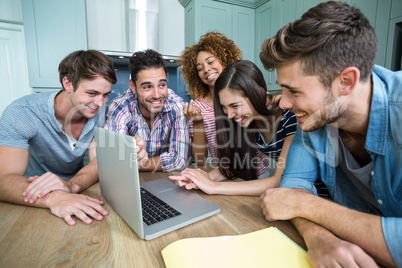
(155, 210)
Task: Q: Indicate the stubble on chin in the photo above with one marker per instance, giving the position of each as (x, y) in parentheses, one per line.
(332, 112)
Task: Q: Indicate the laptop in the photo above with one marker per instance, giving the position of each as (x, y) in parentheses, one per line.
(120, 185)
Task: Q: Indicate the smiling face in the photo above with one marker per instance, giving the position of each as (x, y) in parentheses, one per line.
(235, 105)
(151, 89)
(89, 96)
(314, 105)
(208, 68)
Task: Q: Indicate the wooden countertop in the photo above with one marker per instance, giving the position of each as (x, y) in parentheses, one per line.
(32, 237)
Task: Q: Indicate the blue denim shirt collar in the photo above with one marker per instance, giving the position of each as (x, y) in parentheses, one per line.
(378, 127)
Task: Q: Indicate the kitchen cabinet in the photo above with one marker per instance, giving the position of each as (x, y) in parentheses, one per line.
(53, 29)
(393, 59)
(10, 11)
(13, 70)
(243, 21)
(14, 81)
(270, 17)
(266, 27)
(378, 13)
(396, 9)
(202, 16)
(394, 45)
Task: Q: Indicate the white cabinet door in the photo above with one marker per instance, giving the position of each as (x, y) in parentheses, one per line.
(13, 64)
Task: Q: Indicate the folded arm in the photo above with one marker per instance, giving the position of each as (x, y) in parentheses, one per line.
(48, 182)
(361, 229)
(62, 204)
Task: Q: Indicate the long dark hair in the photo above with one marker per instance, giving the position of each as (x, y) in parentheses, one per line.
(236, 144)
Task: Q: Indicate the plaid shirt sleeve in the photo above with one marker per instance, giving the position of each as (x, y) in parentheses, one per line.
(119, 116)
(176, 156)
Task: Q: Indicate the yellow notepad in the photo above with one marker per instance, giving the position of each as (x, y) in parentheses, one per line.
(265, 248)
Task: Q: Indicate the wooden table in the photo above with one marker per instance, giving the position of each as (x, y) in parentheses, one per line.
(33, 237)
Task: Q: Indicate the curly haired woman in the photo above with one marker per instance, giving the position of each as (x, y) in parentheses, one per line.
(201, 64)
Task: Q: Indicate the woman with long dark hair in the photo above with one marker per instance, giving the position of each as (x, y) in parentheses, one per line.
(253, 135)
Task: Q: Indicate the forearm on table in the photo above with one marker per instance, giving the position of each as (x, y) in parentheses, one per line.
(248, 188)
(176, 157)
(349, 225)
(84, 178)
(309, 230)
(151, 164)
(179, 147)
(11, 188)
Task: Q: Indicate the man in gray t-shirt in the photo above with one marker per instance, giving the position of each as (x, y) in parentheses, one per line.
(44, 138)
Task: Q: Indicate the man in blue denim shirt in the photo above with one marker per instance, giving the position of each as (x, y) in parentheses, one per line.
(349, 116)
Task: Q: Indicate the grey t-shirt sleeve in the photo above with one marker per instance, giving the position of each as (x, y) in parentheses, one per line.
(17, 127)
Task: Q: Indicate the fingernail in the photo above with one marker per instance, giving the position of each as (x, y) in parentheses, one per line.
(24, 193)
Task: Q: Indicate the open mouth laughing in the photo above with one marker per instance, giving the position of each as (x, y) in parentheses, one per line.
(93, 108)
(156, 103)
(300, 115)
(212, 76)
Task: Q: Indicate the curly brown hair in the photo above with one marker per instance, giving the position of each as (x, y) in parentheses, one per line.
(224, 49)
